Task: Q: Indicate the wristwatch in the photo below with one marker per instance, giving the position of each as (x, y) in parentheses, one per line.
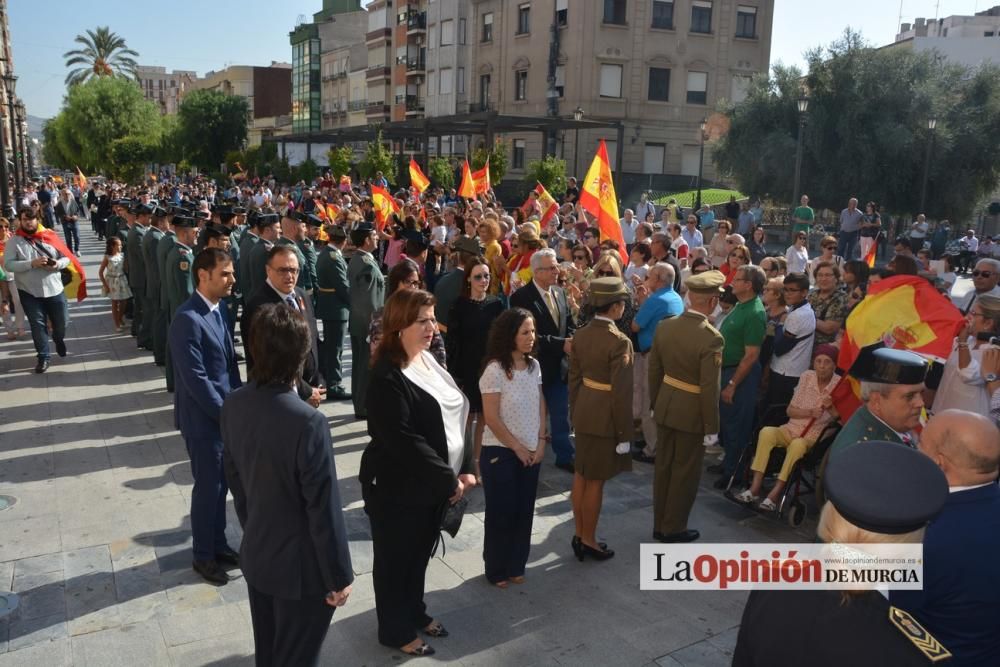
(991, 377)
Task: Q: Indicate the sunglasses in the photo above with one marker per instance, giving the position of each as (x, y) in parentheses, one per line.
(829, 247)
(984, 274)
(606, 274)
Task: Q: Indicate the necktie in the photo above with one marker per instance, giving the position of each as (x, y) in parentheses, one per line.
(292, 303)
(908, 440)
(551, 303)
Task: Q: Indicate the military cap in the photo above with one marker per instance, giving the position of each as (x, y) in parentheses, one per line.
(606, 291)
(184, 221)
(336, 232)
(137, 207)
(160, 212)
(265, 219)
(885, 487)
(217, 232)
(364, 226)
(127, 203)
(239, 210)
(222, 209)
(707, 282)
(313, 220)
(877, 363)
(202, 215)
(361, 232)
(144, 209)
(468, 245)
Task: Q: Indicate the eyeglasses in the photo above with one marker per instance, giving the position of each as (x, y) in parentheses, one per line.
(412, 283)
(561, 281)
(606, 274)
(286, 270)
(829, 247)
(985, 274)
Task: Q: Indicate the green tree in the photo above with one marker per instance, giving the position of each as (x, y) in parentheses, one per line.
(868, 139)
(498, 160)
(550, 171)
(378, 158)
(103, 53)
(129, 156)
(441, 172)
(211, 123)
(340, 159)
(52, 152)
(307, 171)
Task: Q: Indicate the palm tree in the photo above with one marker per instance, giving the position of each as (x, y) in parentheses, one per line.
(103, 54)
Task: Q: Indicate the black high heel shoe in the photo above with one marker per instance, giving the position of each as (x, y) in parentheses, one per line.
(577, 545)
(603, 553)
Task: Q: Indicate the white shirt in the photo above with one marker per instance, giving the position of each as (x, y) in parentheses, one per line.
(800, 322)
(971, 244)
(211, 306)
(519, 401)
(436, 381)
(797, 258)
(628, 229)
(633, 271)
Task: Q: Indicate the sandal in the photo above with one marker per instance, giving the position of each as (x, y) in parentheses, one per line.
(499, 584)
(423, 649)
(767, 505)
(435, 629)
(746, 497)
(517, 580)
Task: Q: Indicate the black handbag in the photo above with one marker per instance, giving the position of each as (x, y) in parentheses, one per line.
(451, 515)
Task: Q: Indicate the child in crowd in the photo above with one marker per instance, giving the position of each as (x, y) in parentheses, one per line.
(113, 281)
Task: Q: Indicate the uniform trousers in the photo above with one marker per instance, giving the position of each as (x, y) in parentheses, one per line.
(736, 418)
(159, 333)
(510, 488)
(288, 632)
(402, 540)
(138, 303)
(168, 361)
(208, 498)
(557, 401)
(332, 351)
(675, 477)
(360, 353)
(144, 337)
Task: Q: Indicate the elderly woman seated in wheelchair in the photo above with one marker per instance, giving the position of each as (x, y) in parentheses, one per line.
(810, 411)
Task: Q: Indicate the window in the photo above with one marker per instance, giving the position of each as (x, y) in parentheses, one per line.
(560, 79)
(461, 31)
(652, 158)
(446, 76)
(460, 81)
(521, 84)
(690, 155)
(518, 161)
(697, 91)
(659, 84)
(740, 87)
(484, 91)
(561, 13)
(523, 19)
(487, 27)
(432, 82)
(988, 33)
(701, 16)
(663, 14)
(746, 22)
(611, 81)
(447, 32)
(432, 31)
(614, 11)
(612, 145)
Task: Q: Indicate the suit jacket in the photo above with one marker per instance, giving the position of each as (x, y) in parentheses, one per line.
(407, 457)
(861, 427)
(551, 335)
(280, 468)
(311, 375)
(688, 349)
(366, 290)
(333, 302)
(205, 369)
(960, 601)
(601, 354)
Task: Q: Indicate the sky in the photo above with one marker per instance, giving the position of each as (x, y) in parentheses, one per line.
(206, 35)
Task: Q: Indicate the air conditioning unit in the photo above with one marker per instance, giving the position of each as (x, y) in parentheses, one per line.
(420, 40)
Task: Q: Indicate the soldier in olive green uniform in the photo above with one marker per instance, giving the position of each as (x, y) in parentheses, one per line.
(600, 406)
(267, 229)
(176, 274)
(247, 240)
(156, 314)
(116, 222)
(333, 307)
(163, 248)
(366, 289)
(307, 276)
(136, 264)
(684, 371)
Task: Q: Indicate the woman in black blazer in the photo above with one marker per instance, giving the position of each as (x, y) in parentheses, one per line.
(415, 465)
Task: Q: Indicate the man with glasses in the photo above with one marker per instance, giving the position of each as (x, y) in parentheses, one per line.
(984, 281)
(793, 341)
(36, 258)
(366, 289)
(691, 234)
(770, 267)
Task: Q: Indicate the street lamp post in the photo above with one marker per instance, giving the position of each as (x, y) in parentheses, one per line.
(32, 147)
(10, 80)
(577, 116)
(701, 161)
(931, 125)
(803, 104)
(4, 179)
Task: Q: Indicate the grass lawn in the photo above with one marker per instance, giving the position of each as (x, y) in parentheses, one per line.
(710, 196)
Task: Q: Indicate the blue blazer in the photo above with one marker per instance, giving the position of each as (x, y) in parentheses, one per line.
(205, 369)
(960, 602)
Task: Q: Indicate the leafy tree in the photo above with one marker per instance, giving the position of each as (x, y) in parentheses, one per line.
(378, 158)
(868, 139)
(103, 53)
(498, 160)
(129, 156)
(550, 171)
(340, 160)
(51, 151)
(441, 172)
(211, 123)
(307, 171)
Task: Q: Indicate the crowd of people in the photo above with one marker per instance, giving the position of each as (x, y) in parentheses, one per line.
(481, 337)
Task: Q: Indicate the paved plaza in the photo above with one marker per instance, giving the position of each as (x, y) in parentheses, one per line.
(98, 544)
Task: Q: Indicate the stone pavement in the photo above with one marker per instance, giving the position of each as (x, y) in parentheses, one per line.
(98, 543)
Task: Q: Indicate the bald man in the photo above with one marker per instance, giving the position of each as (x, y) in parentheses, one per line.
(960, 601)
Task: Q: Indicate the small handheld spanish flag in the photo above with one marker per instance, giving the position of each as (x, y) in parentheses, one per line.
(417, 177)
(468, 187)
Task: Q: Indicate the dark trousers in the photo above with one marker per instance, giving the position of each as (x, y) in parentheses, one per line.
(557, 401)
(677, 471)
(137, 310)
(100, 226)
(360, 353)
(167, 360)
(159, 332)
(288, 632)
(780, 389)
(72, 235)
(847, 243)
(736, 418)
(39, 310)
(510, 489)
(144, 336)
(402, 540)
(332, 351)
(208, 498)
(966, 260)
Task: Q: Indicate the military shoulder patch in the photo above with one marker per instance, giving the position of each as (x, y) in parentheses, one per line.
(183, 266)
(916, 633)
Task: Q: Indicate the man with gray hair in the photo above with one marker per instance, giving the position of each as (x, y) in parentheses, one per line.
(628, 225)
(554, 327)
(984, 281)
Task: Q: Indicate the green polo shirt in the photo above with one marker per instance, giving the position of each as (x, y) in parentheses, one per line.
(745, 325)
(804, 217)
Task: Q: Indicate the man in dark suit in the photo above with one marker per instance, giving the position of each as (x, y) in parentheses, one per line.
(205, 371)
(960, 600)
(294, 553)
(554, 326)
(282, 270)
(333, 306)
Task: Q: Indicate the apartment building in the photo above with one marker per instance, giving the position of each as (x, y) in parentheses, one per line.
(970, 40)
(268, 91)
(163, 87)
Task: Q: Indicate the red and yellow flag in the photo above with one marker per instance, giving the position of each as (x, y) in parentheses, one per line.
(467, 189)
(870, 255)
(902, 312)
(598, 198)
(546, 203)
(81, 180)
(481, 179)
(76, 288)
(417, 177)
(385, 206)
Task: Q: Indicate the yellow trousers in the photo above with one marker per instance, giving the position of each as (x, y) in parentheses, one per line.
(773, 436)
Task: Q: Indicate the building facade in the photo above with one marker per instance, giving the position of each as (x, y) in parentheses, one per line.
(268, 91)
(164, 88)
(965, 40)
(13, 116)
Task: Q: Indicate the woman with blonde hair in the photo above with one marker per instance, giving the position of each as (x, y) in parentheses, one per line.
(718, 251)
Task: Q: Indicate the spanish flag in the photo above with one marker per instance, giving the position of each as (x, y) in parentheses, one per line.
(481, 179)
(903, 312)
(467, 189)
(598, 198)
(385, 206)
(81, 180)
(417, 177)
(870, 255)
(76, 288)
(546, 203)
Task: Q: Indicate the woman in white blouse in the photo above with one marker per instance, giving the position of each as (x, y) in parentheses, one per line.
(513, 444)
(797, 254)
(963, 385)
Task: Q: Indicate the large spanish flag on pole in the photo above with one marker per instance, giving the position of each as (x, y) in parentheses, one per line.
(384, 205)
(598, 198)
(467, 189)
(902, 312)
(417, 177)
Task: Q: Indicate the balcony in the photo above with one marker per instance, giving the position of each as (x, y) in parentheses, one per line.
(417, 23)
(481, 107)
(379, 71)
(414, 104)
(357, 105)
(376, 108)
(415, 66)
